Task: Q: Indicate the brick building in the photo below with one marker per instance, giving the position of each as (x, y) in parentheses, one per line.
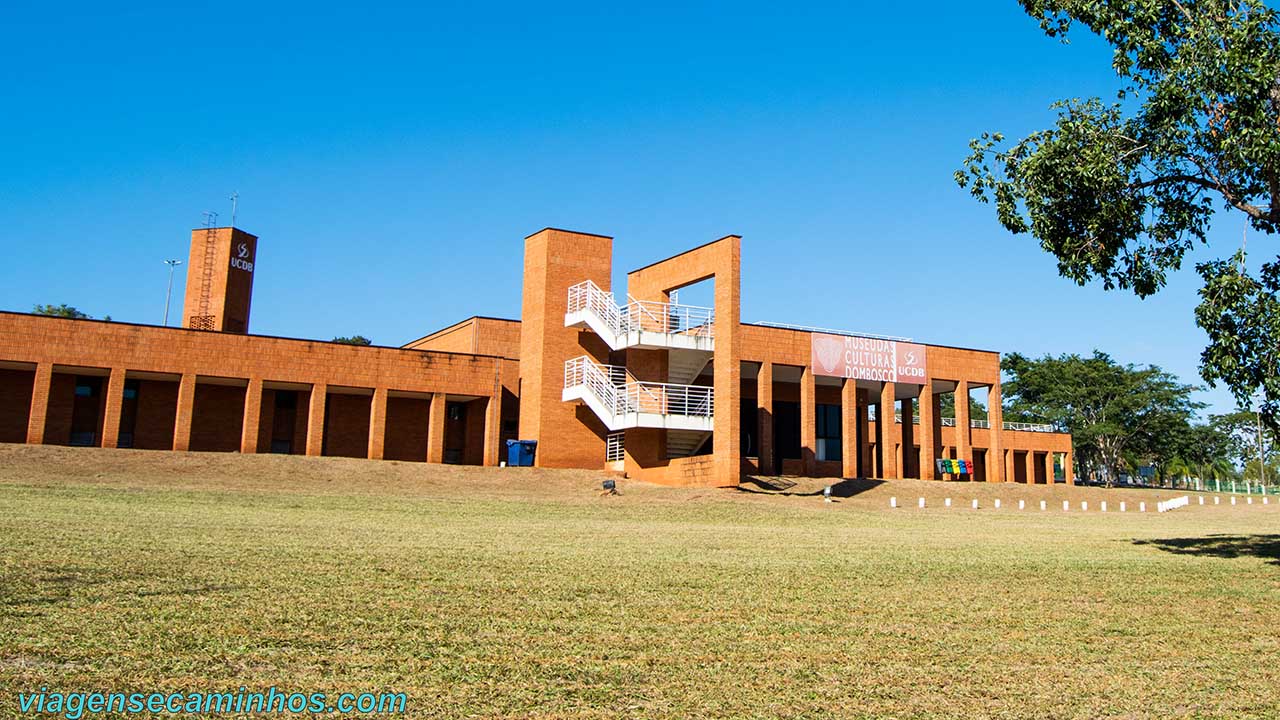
(663, 391)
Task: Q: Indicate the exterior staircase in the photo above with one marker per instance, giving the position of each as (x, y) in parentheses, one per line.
(640, 324)
(684, 443)
(684, 366)
(622, 404)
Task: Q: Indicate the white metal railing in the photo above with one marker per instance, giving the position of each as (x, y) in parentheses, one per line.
(671, 318)
(622, 397)
(1030, 427)
(667, 399)
(641, 315)
(587, 295)
(829, 331)
(599, 379)
(613, 447)
(986, 424)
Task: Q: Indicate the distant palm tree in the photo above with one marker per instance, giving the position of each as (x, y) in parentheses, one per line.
(1217, 469)
(1178, 468)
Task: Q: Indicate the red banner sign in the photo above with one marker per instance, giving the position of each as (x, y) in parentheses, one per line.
(868, 359)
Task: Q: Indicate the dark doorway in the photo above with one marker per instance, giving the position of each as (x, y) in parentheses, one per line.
(284, 422)
(749, 422)
(786, 433)
(86, 415)
(455, 432)
(128, 414)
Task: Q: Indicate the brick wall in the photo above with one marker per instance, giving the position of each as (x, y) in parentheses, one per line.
(346, 425)
(15, 404)
(555, 260)
(101, 349)
(407, 420)
(217, 418)
(156, 411)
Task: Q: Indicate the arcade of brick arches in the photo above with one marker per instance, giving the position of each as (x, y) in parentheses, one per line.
(658, 390)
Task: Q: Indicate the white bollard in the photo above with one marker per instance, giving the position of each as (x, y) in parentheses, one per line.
(1264, 500)
(997, 503)
(1022, 504)
(893, 502)
(921, 503)
(1043, 505)
(1104, 506)
(1217, 500)
(1201, 499)
(1066, 505)
(1250, 500)
(1233, 499)
(1084, 505)
(1124, 507)
(975, 503)
(1142, 507)
(947, 502)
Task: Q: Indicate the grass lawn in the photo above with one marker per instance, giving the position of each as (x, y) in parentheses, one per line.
(523, 593)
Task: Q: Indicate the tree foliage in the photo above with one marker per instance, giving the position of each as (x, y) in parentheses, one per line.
(1119, 416)
(1120, 191)
(64, 310)
(353, 340)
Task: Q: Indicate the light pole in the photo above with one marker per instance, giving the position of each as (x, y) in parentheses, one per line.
(169, 292)
(1262, 460)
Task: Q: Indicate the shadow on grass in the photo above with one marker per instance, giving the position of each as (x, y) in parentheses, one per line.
(784, 486)
(1266, 547)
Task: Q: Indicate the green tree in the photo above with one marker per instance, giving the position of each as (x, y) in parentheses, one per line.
(1119, 192)
(1240, 428)
(63, 310)
(1118, 415)
(947, 405)
(353, 340)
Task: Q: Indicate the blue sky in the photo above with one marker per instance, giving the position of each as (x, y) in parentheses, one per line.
(392, 159)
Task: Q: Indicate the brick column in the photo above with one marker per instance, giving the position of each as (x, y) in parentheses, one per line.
(114, 405)
(764, 414)
(492, 431)
(1048, 467)
(849, 430)
(910, 461)
(1030, 463)
(808, 423)
(186, 411)
(938, 450)
(964, 429)
(315, 419)
(1068, 468)
(378, 424)
(995, 442)
(252, 416)
(1010, 473)
(39, 403)
(928, 437)
(865, 461)
(435, 429)
(888, 432)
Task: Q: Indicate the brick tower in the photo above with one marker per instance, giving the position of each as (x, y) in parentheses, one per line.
(220, 280)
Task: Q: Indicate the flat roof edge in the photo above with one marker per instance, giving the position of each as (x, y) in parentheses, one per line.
(247, 335)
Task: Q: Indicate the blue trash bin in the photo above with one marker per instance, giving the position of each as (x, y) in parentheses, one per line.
(520, 452)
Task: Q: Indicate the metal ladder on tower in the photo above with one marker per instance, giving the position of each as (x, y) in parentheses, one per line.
(204, 320)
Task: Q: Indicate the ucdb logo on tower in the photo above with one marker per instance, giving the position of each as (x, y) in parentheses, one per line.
(242, 259)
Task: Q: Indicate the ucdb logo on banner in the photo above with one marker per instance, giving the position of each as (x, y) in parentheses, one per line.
(862, 358)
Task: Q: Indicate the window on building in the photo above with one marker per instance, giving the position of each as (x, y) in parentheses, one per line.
(84, 390)
(829, 441)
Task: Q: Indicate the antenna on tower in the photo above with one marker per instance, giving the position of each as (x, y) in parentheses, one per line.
(235, 198)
